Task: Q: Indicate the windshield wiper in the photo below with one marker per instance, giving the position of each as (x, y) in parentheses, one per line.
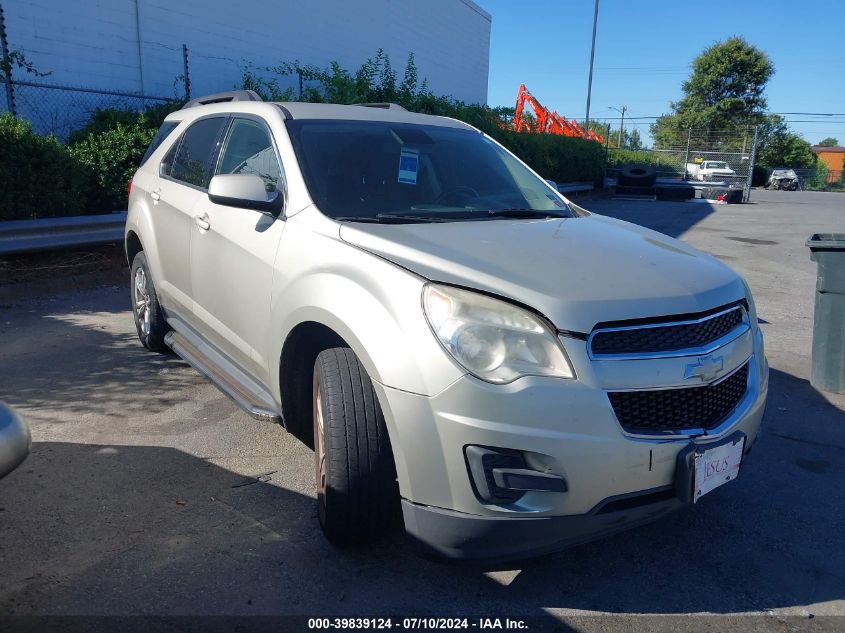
(518, 212)
(401, 217)
(388, 218)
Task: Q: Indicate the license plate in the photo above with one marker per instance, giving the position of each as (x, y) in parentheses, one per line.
(717, 466)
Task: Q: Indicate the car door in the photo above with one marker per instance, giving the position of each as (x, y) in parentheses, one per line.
(233, 252)
(183, 176)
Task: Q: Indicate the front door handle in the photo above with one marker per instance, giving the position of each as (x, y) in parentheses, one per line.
(202, 221)
(156, 195)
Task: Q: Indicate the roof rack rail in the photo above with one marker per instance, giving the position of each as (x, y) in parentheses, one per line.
(224, 97)
(383, 106)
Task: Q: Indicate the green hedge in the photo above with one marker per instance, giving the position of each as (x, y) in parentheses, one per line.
(112, 156)
(38, 175)
(559, 158)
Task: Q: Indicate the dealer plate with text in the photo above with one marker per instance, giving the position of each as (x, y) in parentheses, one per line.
(717, 466)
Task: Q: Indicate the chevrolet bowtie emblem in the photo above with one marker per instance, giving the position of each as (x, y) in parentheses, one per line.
(706, 368)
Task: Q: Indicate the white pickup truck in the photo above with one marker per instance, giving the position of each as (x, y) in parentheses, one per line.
(710, 170)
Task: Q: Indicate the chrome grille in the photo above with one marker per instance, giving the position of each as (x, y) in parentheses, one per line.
(662, 338)
(674, 410)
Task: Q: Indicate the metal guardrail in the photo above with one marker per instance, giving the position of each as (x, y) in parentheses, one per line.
(698, 185)
(26, 236)
(572, 187)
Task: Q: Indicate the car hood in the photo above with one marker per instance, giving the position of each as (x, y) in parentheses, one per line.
(576, 271)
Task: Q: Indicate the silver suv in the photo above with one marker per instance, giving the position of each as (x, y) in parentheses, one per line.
(443, 327)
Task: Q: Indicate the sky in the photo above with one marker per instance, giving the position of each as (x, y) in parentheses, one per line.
(644, 49)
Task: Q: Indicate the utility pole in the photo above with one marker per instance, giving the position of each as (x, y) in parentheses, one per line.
(592, 56)
(621, 123)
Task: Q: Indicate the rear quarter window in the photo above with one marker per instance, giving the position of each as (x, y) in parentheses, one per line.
(163, 132)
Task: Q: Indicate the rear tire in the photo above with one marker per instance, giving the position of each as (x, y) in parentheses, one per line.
(146, 310)
(357, 493)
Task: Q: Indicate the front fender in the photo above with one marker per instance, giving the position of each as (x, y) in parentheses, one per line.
(374, 305)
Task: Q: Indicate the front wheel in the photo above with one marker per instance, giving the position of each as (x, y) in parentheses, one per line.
(357, 493)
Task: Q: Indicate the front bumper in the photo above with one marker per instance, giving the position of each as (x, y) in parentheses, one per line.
(561, 427)
(440, 533)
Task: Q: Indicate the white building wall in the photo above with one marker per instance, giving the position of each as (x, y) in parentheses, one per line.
(136, 45)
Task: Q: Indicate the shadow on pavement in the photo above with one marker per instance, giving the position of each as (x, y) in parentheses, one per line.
(117, 529)
(108, 529)
(670, 218)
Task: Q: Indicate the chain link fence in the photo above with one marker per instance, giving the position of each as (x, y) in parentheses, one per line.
(58, 110)
(820, 178)
(701, 157)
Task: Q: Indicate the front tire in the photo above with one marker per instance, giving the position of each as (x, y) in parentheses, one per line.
(356, 477)
(149, 318)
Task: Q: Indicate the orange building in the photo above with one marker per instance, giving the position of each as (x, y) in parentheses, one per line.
(833, 157)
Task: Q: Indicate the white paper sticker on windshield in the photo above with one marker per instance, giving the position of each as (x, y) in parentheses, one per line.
(409, 163)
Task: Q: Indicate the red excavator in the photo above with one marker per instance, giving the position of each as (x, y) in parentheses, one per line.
(546, 122)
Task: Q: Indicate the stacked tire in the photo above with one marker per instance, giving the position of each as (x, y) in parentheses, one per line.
(637, 176)
(636, 180)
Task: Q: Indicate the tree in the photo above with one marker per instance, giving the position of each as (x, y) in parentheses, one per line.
(724, 91)
(633, 140)
(781, 148)
(829, 142)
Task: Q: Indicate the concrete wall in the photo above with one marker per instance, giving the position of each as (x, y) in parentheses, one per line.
(136, 45)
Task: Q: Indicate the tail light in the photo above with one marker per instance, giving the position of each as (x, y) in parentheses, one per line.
(129, 189)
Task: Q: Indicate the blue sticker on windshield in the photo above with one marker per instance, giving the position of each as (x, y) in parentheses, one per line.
(409, 164)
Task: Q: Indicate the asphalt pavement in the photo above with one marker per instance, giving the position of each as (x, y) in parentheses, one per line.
(149, 493)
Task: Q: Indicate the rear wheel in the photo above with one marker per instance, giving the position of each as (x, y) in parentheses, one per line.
(356, 477)
(149, 318)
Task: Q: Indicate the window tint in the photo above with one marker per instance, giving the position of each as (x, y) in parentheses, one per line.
(194, 161)
(163, 132)
(249, 150)
(363, 169)
(167, 161)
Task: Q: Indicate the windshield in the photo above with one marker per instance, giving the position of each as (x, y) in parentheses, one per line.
(377, 171)
(716, 165)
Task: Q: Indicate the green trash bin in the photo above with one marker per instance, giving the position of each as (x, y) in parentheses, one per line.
(828, 366)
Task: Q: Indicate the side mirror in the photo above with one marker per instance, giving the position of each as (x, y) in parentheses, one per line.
(552, 184)
(15, 440)
(245, 191)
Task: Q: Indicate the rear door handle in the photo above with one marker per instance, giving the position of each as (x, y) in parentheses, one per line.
(156, 195)
(202, 221)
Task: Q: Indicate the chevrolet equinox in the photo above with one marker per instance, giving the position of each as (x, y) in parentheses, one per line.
(445, 329)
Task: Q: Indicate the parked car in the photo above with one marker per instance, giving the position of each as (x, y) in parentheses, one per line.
(711, 171)
(444, 328)
(15, 440)
(785, 179)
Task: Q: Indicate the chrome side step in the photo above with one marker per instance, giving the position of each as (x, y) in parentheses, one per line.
(242, 389)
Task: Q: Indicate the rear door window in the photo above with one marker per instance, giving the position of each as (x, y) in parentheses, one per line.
(194, 161)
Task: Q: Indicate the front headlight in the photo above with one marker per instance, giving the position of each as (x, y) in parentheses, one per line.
(749, 299)
(494, 340)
